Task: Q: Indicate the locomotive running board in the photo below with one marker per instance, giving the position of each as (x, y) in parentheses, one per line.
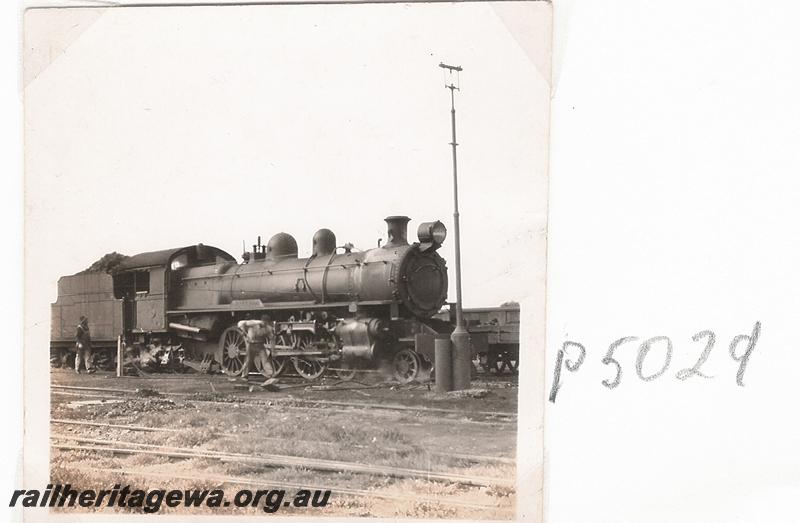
(237, 307)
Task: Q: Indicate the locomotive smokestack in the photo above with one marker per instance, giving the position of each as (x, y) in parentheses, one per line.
(397, 231)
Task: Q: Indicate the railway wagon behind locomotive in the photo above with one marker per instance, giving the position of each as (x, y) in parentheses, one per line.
(494, 335)
(343, 309)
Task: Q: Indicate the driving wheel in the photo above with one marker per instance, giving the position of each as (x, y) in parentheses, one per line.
(309, 368)
(232, 350)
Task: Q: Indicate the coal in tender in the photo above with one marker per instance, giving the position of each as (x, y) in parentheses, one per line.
(108, 263)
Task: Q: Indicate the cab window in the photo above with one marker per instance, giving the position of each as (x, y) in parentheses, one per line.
(141, 280)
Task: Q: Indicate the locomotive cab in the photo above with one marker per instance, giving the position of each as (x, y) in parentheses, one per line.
(142, 295)
(142, 282)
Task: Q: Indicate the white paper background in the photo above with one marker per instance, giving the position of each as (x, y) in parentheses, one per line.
(674, 196)
(149, 128)
(673, 191)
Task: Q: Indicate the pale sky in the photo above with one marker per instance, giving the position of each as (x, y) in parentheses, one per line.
(151, 128)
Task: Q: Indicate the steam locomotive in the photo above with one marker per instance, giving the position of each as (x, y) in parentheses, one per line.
(340, 308)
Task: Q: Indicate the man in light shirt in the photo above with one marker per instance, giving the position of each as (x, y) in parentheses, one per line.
(259, 336)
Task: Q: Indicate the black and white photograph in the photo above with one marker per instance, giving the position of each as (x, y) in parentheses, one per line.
(477, 260)
(286, 260)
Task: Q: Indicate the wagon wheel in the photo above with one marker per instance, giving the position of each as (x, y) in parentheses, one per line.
(506, 361)
(481, 362)
(233, 350)
(500, 363)
(406, 365)
(309, 368)
(476, 362)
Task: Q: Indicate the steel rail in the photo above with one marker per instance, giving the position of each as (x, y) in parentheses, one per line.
(134, 428)
(477, 458)
(255, 404)
(286, 402)
(434, 410)
(240, 480)
(278, 460)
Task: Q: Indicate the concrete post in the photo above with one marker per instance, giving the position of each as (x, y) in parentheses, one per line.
(462, 359)
(120, 357)
(442, 361)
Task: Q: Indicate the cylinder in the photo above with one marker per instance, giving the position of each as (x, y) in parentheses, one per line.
(462, 359)
(443, 363)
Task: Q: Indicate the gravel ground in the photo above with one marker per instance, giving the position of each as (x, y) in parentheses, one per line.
(216, 414)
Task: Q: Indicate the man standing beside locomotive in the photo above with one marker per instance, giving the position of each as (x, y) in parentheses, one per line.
(83, 346)
(258, 336)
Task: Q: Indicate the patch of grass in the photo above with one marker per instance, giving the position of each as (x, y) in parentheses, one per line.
(393, 435)
(198, 421)
(186, 438)
(349, 434)
(145, 459)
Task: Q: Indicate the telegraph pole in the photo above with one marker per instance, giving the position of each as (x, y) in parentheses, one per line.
(462, 357)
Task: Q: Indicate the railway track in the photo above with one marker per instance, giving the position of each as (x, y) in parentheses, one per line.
(139, 428)
(117, 447)
(284, 407)
(257, 482)
(489, 417)
(272, 460)
(404, 461)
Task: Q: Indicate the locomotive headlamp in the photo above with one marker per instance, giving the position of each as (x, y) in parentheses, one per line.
(431, 235)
